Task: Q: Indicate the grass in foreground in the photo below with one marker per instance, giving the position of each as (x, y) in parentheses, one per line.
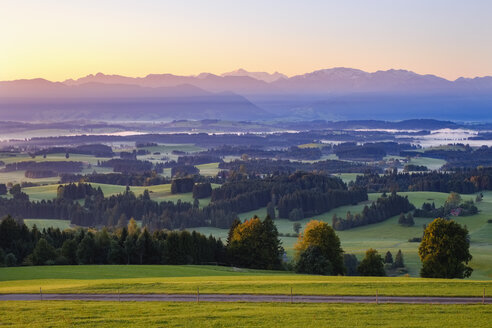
(156, 314)
(219, 280)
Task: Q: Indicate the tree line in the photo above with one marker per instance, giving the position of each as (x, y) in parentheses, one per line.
(127, 245)
(306, 203)
(465, 181)
(381, 210)
(255, 243)
(54, 166)
(313, 193)
(98, 150)
(322, 193)
(116, 210)
(275, 167)
(130, 165)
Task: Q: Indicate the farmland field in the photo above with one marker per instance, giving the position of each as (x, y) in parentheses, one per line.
(47, 223)
(157, 314)
(218, 280)
(210, 169)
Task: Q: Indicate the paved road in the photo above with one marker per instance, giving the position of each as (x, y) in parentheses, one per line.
(244, 298)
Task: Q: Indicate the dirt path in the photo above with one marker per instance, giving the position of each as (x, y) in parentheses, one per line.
(243, 298)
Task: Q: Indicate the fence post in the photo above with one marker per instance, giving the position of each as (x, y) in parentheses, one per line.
(291, 296)
(41, 293)
(483, 296)
(119, 300)
(377, 292)
(198, 294)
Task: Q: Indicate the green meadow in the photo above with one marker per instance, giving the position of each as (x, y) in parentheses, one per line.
(210, 169)
(218, 280)
(164, 314)
(47, 223)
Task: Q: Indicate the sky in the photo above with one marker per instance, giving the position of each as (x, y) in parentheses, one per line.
(57, 40)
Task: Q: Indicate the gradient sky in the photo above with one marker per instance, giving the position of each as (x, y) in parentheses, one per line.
(59, 39)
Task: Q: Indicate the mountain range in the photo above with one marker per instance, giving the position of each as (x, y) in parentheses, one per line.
(336, 94)
(333, 80)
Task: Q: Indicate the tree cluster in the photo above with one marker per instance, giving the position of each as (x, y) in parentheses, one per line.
(415, 168)
(202, 190)
(275, 167)
(255, 244)
(460, 181)
(127, 245)
(184, 170)
(306, 203)
(381, 210)
(182, 185)
(406, 220)
(54, 166)
(39, 174)
(97, 150)
(127, 165)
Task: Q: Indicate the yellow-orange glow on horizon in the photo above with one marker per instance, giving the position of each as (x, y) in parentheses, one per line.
(57, 40)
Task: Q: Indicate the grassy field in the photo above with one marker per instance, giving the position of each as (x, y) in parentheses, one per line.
(312, 145)
(46, 223)
(431, 163)
(210, 169)
(347, 177)
(218, 280)
(158, 314)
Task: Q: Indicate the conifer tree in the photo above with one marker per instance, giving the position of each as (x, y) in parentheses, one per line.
(388, 258)
(399, 260)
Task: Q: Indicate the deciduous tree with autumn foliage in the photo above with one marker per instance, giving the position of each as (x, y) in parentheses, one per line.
(320, 239)
(445, 250)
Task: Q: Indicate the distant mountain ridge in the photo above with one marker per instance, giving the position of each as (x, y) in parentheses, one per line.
(338, 79)
(263, 76)
(329, 94)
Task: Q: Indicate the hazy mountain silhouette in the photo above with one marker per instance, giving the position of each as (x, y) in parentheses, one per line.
(262, 76)
(333, 80)
(205, 81)
(334, 94)
(39, 88)
(38, 100)
(342, 80)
